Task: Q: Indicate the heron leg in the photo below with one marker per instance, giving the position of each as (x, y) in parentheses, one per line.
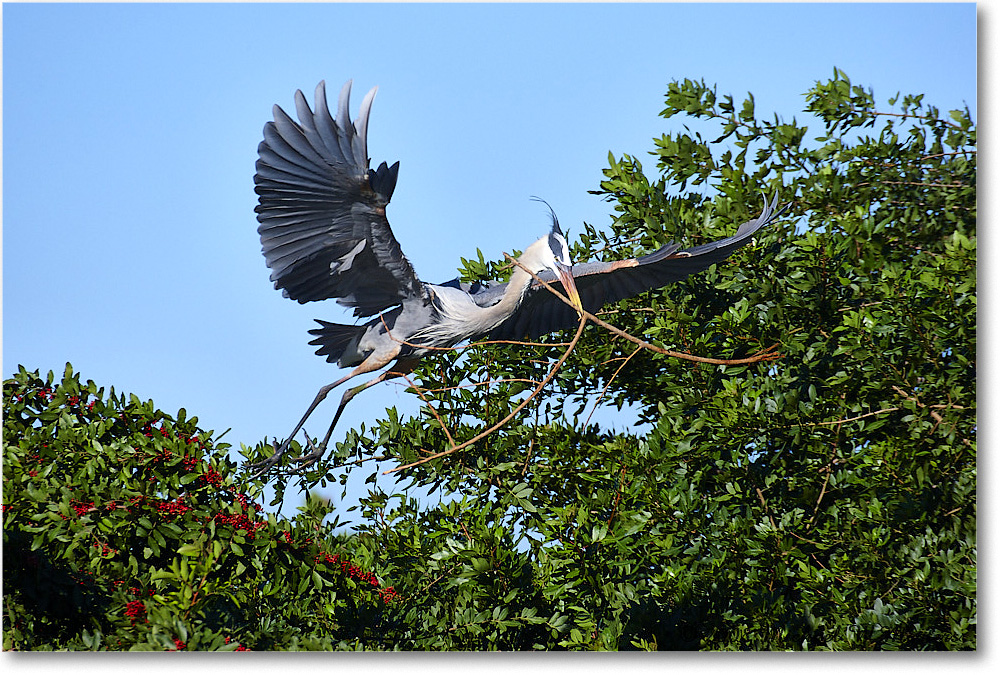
(266, 464)
(401, 367)
(373, 362)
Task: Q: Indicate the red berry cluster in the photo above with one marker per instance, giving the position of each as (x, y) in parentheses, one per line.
(75, 401)
(348, 568)
(170, 509)
(136, 610)
(189, 463)
(163, 456)
(213, 477)
(209, 477)
(388, 593)
(104, 548)
(244, 502)
(240, 521)
(148, 430)
(35, 458)
(47, 393)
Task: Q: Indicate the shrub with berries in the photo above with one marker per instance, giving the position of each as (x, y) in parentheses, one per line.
(125, 528)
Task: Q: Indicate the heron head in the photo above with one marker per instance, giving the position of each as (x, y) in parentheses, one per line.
(553, 254)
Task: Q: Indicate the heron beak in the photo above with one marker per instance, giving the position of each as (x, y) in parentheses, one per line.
(565, 273)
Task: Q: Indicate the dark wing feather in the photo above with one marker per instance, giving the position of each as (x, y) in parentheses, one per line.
(322, 210)
(601, 283)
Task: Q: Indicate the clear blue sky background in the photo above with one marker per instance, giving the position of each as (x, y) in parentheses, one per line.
(130, 135)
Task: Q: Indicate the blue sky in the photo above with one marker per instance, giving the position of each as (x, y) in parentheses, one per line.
(130, 135)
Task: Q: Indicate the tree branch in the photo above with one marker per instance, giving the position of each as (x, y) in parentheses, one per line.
(548, 377)
(762, 355)
(605, 390)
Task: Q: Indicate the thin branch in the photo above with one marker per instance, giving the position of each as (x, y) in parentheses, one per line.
(548, 377)
(915, 116)
(801, 538)
(605, 390)
(377, 458)
(763, 355)
(949, 154)
(618, 492)
(632, 310)
(430, 407)
(873, 162)
(864, 304)
(916, 183)
(763, 502)
(902, 393)
(435, 580)
(473, 385)
(910, 397)
(829, 472)
(527, 456)
(852, 419)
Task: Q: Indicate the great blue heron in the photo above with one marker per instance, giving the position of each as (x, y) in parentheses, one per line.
(325, 235)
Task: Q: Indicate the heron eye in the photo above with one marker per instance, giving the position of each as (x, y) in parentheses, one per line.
(558, 246)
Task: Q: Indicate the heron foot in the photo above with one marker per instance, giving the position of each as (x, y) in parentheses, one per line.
(263, 466)
(308, 460)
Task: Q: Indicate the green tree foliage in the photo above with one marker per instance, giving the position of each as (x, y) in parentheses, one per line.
(126, 528)
(825, 500)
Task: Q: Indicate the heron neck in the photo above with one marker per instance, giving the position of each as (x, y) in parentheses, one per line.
(516, 289)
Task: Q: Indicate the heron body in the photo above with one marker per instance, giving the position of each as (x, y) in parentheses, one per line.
(449, 316)
(325, 235)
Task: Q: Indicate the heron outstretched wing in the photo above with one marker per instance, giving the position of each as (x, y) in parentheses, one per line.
(601, 283)
(322, 210)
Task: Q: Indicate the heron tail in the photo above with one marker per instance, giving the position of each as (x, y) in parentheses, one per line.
(337, 342)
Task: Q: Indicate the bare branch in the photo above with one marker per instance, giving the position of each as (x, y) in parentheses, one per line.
(763, 502)
(473, 385)
(434, 412)
(852, 419)
(605, 390)
(902, 393)
(527, 456)
(762, 355)
(548, 377)
(913, 183)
